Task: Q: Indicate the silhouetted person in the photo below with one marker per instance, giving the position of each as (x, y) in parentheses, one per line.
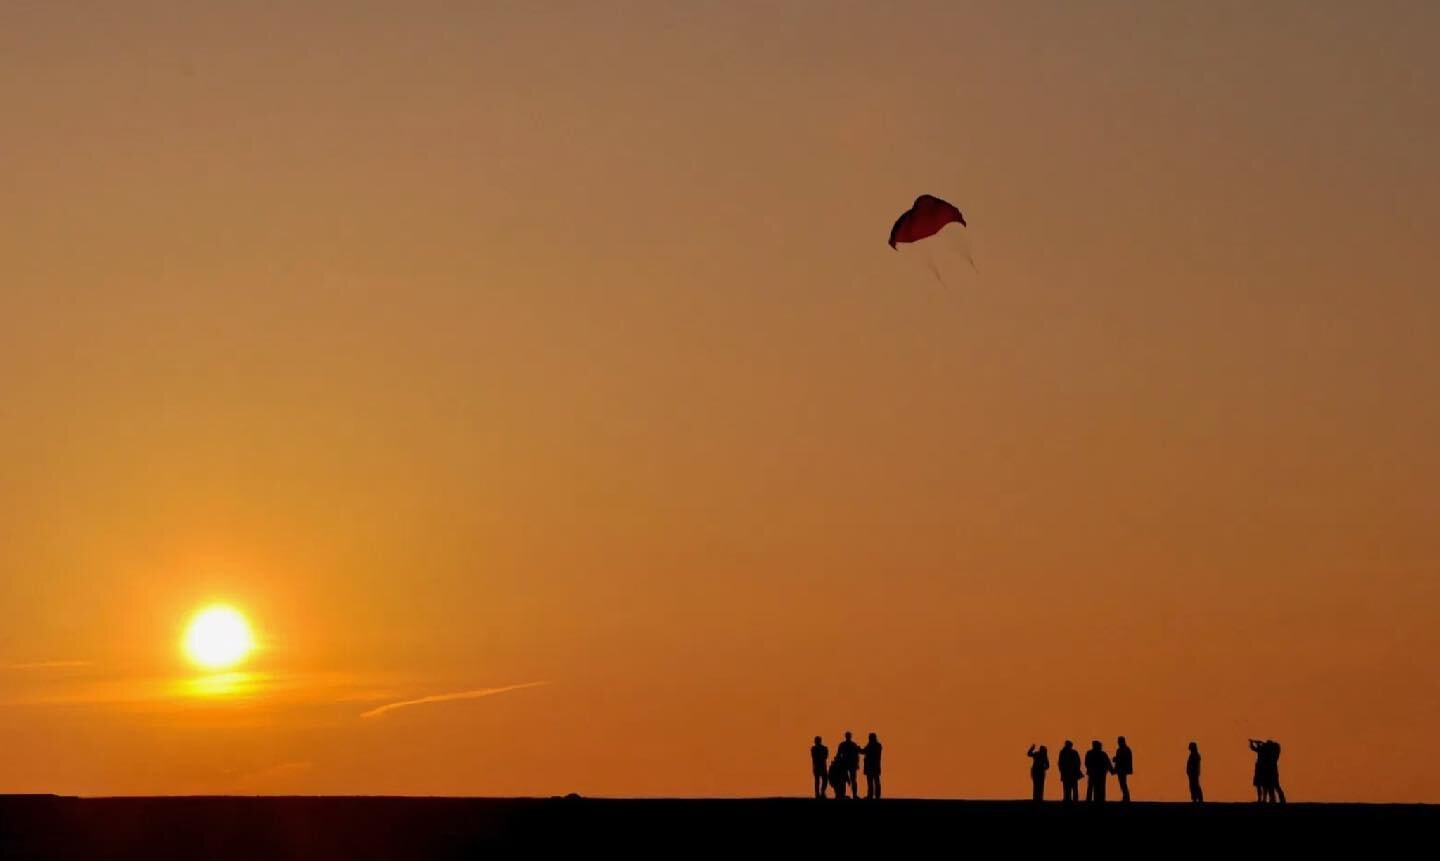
(849, 753)
(1124, 767)
(1262, 777)
(1273, 791)
(819, 753)
(838, 776)
(1097, 767)
(1039, 764)
(1069, 765)
(1192, 771)
(1267, 771)
(872, 751)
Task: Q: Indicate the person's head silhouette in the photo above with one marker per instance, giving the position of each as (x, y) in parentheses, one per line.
(1120, 741)
(1069, 744)
(847, 736)
(1042, 748)
(1193, 748)
(817, 739)
(1095, 745)
(873, 739)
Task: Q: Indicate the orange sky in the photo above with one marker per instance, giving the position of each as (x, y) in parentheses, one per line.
(466, 346)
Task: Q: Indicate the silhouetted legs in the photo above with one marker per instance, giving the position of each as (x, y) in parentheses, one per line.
(1124, 787)
(872, 786)
(820, 784)
(837, 778)
(1069, 790)
(1095, 788)
(1196, 794)
(851, 776)
(1038, 782)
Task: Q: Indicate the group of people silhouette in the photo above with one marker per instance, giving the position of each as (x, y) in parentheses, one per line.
(839, 774)
(1098, 766)
(1267, 771)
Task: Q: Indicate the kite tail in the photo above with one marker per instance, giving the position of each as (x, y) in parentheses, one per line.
(930, 258)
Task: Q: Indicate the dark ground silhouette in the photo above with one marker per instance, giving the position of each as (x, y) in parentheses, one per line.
(327, 828)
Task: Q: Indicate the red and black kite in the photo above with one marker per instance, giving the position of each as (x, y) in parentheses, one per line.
(925, 218)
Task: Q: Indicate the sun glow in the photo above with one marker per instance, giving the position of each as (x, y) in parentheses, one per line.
(218, 637)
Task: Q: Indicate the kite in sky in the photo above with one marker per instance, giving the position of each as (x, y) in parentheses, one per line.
(926, 218)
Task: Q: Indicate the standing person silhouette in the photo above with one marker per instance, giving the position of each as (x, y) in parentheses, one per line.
(872, 751)
(849, 753)
(838, 776)
(1124, 767)
(1097, 767)
(1273, 792)
(1069, 763)
(819, 753)
(1192, 771)
(1267, 769)
(1039, 764)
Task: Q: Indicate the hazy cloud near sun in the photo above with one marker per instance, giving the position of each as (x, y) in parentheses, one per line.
(160, 693)
(265, 694)
(476, 694)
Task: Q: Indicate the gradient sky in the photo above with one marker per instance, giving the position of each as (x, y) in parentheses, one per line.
(469, 345)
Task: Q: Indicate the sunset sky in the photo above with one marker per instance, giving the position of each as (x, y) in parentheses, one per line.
(545, 363)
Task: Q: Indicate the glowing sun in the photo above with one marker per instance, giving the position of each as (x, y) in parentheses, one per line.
(218, 637)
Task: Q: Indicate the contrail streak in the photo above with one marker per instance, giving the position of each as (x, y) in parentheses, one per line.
(445, 698)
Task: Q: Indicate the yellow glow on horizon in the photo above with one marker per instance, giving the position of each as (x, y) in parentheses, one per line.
(224, 685)
(218, 637)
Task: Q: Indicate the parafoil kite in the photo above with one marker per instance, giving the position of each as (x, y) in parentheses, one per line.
(926, 218)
